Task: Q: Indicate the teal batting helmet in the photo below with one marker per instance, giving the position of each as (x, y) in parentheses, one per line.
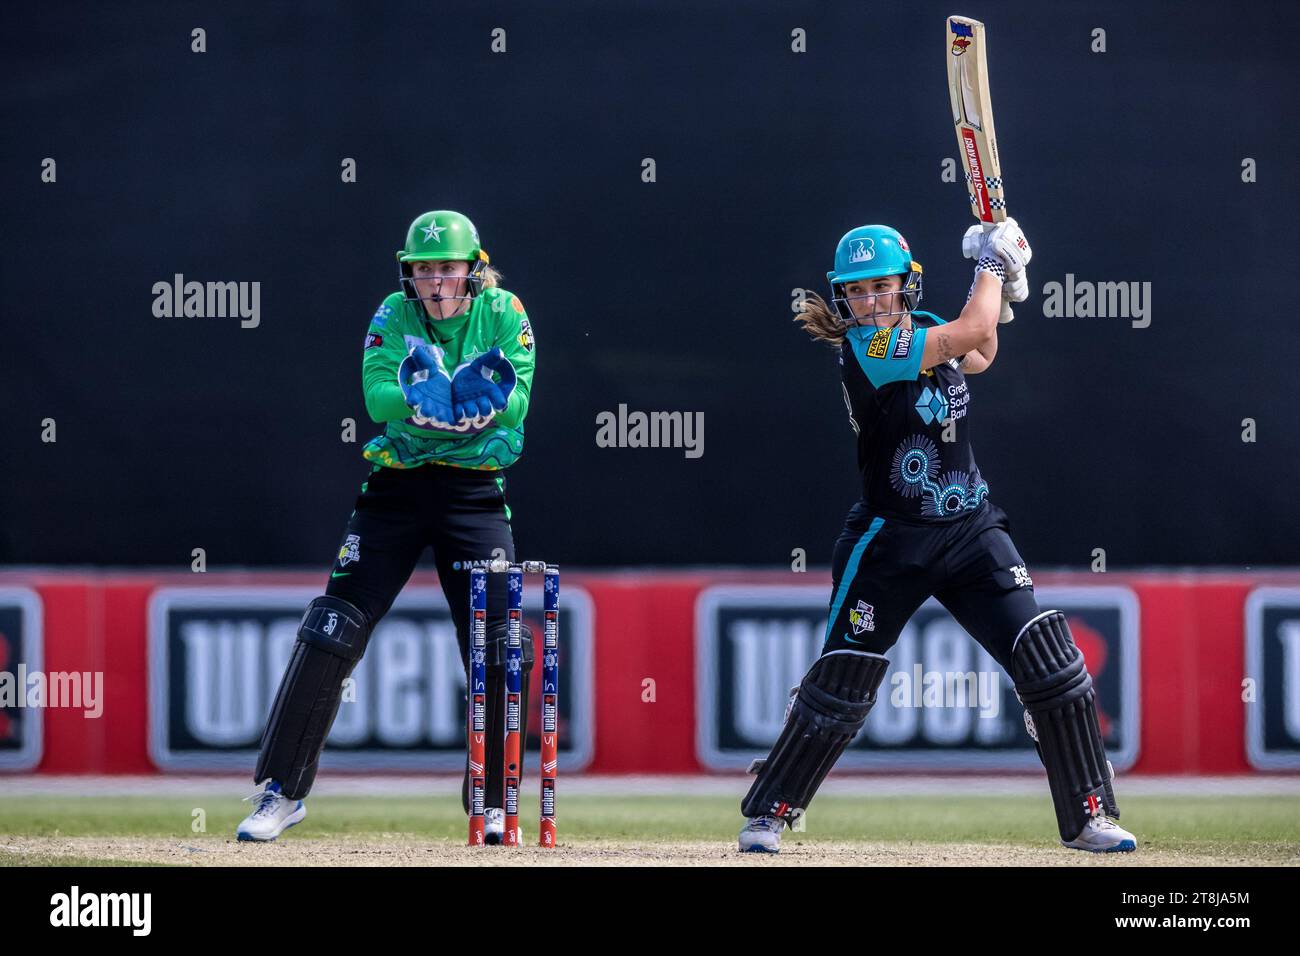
(870, 252)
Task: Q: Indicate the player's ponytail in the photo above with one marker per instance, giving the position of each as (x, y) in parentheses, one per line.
(491, 278)
(819, 320)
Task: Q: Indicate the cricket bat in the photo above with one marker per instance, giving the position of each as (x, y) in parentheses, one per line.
(972, 117)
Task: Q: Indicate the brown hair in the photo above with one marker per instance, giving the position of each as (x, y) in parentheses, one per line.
(491, 278)
(819, 320)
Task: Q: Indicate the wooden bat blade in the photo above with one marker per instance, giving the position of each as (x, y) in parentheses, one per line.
(972, 115)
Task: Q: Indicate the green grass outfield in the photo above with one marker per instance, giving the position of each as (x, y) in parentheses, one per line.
(1263, 828)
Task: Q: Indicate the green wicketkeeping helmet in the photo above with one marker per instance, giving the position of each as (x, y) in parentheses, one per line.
(440, 236)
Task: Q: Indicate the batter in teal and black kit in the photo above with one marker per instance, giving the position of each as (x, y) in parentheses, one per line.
(447, 368)
(925, 526)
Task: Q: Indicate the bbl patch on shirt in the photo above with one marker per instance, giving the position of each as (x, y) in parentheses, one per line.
(525, 334)
(863, 617)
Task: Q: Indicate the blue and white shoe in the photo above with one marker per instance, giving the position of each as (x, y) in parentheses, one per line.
(761, 835)
(1102, 835)
(273, 814)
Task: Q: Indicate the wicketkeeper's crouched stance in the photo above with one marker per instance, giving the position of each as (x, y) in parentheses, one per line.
(447, 368)
(925, 527)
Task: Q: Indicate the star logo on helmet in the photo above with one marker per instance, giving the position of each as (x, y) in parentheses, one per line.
(433, 231)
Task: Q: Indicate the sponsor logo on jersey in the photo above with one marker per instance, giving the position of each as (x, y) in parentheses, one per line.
(374, 340)
(525, 333)
(878, 347)
(932, 405)
(1021, 575)
(519, 306)
(904, 344)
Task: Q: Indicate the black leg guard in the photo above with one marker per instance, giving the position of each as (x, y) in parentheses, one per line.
(1056, 689)
(833, 701)
(495, 745)
(331, 639)
(1033, 735)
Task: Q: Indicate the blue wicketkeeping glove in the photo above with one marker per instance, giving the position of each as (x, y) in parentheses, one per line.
(426, 386)
(474, 394)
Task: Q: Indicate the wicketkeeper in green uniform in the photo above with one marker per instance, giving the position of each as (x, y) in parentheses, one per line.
(447, 369)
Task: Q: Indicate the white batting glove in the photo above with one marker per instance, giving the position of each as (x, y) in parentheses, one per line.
(1013, 290)
(977, 239)
(1008, 243)
(1016, 289)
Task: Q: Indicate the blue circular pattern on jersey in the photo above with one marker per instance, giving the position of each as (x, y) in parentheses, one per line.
(915, 470)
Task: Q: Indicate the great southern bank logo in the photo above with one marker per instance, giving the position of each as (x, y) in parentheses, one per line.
(932, 405)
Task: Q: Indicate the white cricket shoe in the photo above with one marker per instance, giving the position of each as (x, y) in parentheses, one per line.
(273, 814)
(761, 835)
(494, 827)
(1102, 835)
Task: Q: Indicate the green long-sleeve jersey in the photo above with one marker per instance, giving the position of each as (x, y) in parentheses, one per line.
(496, 318)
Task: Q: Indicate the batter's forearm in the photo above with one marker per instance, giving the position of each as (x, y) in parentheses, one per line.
(990, 348)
